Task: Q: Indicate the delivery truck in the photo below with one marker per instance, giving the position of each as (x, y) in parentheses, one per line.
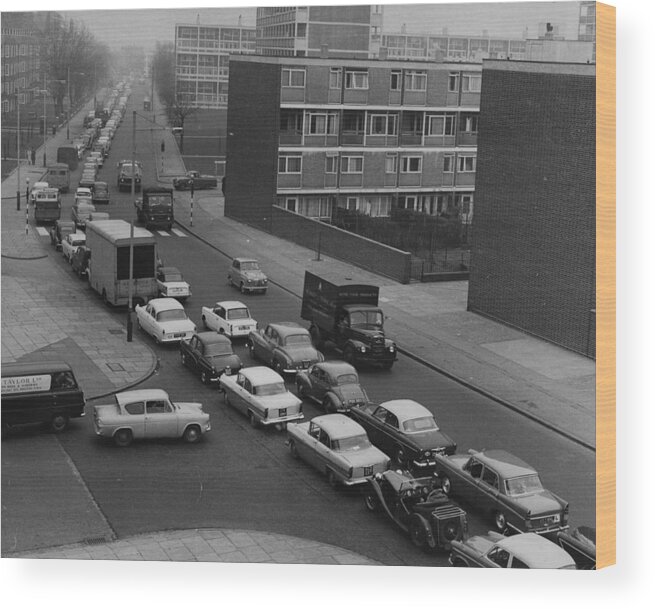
(108, 271)
(349, 317)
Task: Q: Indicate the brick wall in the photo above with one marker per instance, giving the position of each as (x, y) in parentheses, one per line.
(533, 238)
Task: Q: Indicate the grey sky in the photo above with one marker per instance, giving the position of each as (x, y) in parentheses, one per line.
(144, 26)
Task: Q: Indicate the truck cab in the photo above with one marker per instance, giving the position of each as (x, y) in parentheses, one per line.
(155, 208)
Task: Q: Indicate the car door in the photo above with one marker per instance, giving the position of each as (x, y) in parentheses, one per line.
(148, 319)
(238, 395)
(488, 485)
(160, 420)
(307, 446)
(316, 379)
(220, 319)
(233, 273)
(374, 425)
(136, 419)
(467, 484)
(194, 353)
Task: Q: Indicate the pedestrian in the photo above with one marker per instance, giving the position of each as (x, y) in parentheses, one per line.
(28, 154)
(33, 156)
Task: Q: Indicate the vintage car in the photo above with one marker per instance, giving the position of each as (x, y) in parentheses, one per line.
(580, 543)
(87, 180)
(70, 244)
(418, 506)
(406, 430)
(59, 230)
(503, 486)
(97, 157)
(38, 186)
(245, 274)
(200, 182)
(100, 193)
(334, 385)
(80, 261)
(83, 193)
(165, 320)
(229, 317)
(149, 413)
(285, 346)
(209, 355)
(81, 211)
(524, 551)
(170, 283)
(260, 394)
(337, 447)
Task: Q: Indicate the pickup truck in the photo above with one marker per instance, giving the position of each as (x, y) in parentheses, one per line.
(200, 182)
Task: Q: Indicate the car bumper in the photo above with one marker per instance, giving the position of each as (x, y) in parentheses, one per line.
(288, 419)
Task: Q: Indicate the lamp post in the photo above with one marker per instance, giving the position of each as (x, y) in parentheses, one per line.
(68, 113)
(45, 124)
(18, 151)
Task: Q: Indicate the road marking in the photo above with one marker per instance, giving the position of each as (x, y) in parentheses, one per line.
(42, 231)
(179, 233)
(163, 233)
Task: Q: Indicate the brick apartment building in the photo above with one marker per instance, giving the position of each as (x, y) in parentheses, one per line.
(534, 237)
(364, 135)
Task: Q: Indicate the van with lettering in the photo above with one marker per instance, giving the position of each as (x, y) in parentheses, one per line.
(40, 392)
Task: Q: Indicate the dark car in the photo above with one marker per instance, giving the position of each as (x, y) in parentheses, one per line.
(200, 182)
(418, 506)
(580, 543)
(334, 385)
(209, 354)
(80, 260)
(100, 193)
(59, 230)
(405, 430)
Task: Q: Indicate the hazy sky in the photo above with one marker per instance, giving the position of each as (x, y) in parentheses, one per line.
(143, 26)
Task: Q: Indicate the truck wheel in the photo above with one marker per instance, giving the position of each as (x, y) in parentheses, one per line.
(349, 355)
(192, 434)
(123, 438)
(58, 423)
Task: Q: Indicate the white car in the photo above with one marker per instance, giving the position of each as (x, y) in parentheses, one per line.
(97, 155)
(70, 244)
(171, 284)
(165, 320)
(229, 317)
(83, 193)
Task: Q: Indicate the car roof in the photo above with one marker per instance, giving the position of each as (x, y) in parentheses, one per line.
(136, 395)
(258, 375)
(82, 204)
(165, 304)
(508, 465)
(231, 304)
(406, 409)
(285, 328)
(211, 338)
(535, 551)
(336, 367)
(338, 426)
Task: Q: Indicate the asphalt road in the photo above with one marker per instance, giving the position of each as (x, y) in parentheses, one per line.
(244, 478)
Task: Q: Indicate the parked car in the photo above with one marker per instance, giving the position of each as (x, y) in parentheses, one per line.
(406, 430)
(81, 212)
(229, 317)
(284, 346)
(87, 180)
(97, 156)
(82, 192)
(200, 182)
(580, 543)
(524, 551)
(260, 394)
(165, 320)
(338, 447)
(149, 413)
(70, 244)
(59, 230)
(209, 355)
(245, 274)
(80, 261)
(418, 506)
(170, 283)
(334, 385)
(100, 193)
(505, 487)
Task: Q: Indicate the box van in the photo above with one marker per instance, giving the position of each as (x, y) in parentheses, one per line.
(47, 205)
(41, 392)
(69, 156)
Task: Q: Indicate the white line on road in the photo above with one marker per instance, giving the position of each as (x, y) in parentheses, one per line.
(179, 233)
(42, 231)
(163, 233)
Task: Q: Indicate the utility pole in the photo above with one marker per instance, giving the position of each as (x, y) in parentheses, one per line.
(45, 124)
(152, 91)
(132, 190)
(18, 151)
(68, 114)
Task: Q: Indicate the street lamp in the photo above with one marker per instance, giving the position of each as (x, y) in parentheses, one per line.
(18, 151)
(68, 113)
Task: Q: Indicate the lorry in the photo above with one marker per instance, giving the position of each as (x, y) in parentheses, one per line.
(126, 173)
(349, 317)
(68, 155)
(155, 207)
(109, 265)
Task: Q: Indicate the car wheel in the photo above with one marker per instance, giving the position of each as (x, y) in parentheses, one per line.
(277, 366)
(293, 450)
(254, 423)
(204, 378)
(58, 423)
(302, 392)
(332, 479)
(417, 533)
(500, 522)
(242, 288)
(183, 358)
(329, 406)
(192, 434)
(445, 483)
(123, 437)
(372, 502)
(349, 355)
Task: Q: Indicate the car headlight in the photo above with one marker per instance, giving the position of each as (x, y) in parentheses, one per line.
(392, 348)
(363, 349)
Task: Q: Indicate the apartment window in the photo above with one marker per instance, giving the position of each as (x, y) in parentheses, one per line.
(293, 77)
(453, 82)
(411, 164)
(289, 164)
(471, 83)
(291, 204)
(331, 163)
(353, 121)
(466, 164)
(448, 163)
(352, 164)
(352, 203)
(391, 163)
(335, 78)
(356, 79)
(469, 124)
(395, 80)
(5, 106)
(441, 124)
(322, 123)
(383, 124)
(415, 80)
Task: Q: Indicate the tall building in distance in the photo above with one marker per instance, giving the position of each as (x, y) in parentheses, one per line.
(202, 54)
(320, 31)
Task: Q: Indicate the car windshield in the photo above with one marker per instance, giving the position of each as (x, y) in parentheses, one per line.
(159, 201)
(298, 339)
(250, 266)
(101, 190)
(171, 315)
(363, 319)
(420, 424)
(523, 485)
(173, 277)
(217, 349)
(238, 313)
(352, 443)
(347, 379)
(78, 242)
(269, 389)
